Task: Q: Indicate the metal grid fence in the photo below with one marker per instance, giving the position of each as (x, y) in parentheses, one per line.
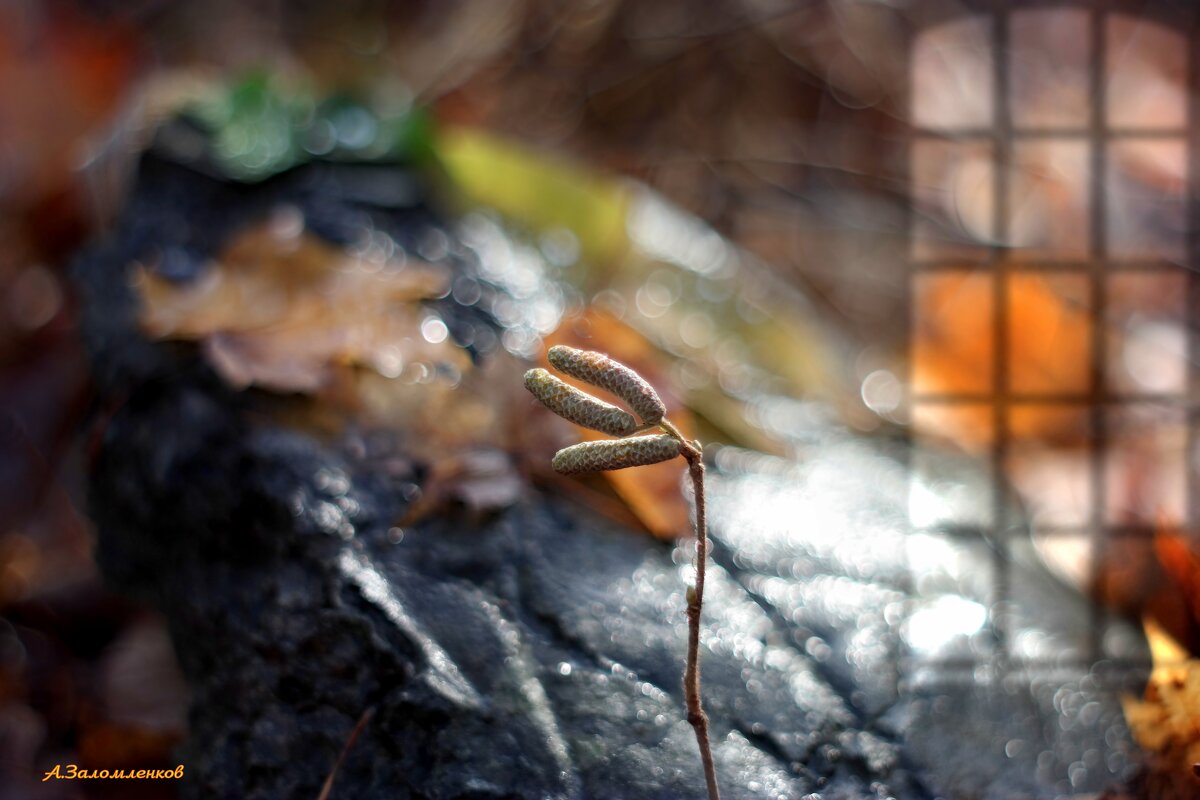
(1096, 274)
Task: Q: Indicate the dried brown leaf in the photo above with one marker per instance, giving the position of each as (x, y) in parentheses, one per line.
(281, 308)
(1167, 721)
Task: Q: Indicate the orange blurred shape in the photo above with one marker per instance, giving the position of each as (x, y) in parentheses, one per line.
(1181, 564)
(653, 493)
(1154, 577)
(1048, 334)
(952, 333)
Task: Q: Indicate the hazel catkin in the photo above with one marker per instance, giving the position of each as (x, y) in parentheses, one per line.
(578, 407)
(612, 454)
(612, 376)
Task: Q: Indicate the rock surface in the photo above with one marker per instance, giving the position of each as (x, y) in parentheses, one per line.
(537, 653)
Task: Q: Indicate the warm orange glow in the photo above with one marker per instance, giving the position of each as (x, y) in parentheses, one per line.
(1049, 336)
(952, 333)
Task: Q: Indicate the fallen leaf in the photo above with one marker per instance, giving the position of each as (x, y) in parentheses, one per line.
(1166, 723)
(541, 192)
(280, 308)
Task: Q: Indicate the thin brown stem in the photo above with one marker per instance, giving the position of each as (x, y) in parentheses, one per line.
(691, 675)
(350, 740)
(600, 370)
(695, 598)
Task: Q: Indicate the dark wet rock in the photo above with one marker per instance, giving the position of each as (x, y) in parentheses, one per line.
(537, 653)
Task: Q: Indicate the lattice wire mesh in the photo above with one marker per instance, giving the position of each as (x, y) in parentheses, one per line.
(1083, 407)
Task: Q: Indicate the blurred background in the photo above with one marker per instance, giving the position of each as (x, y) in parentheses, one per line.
(970, 225)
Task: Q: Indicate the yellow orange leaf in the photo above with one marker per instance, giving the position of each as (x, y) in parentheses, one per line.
(1167, 721)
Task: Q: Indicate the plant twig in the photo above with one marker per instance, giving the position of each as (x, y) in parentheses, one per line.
(633, 451)
(350, 740)
(695, 597)
(691, 675)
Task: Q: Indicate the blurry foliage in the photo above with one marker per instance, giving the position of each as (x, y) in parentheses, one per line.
(1167, 721)
(260, 126)
(542, 193)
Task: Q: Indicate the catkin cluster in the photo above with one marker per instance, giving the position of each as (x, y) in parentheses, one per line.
(611, 376)
(581, 408)
(599, 370)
